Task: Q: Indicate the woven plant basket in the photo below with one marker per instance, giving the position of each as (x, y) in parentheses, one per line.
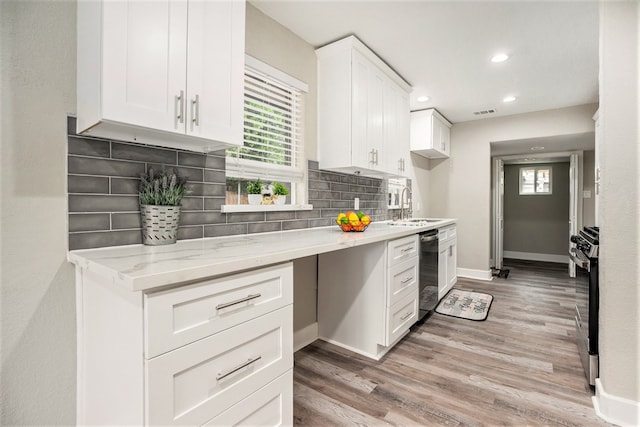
(159, 224)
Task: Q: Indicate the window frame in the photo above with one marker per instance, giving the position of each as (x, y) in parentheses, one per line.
(241, 168)
(535, 181)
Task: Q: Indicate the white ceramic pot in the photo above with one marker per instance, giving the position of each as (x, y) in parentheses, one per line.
(280, 200)
(255, 199)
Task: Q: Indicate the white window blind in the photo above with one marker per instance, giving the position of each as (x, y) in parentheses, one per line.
(272, 130)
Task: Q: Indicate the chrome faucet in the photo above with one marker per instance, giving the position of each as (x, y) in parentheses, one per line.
(409, 211)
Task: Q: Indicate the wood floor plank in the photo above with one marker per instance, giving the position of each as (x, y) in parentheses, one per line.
(518, 367)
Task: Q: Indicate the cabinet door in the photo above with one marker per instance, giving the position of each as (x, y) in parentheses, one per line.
(215, 70)
(375, 113)
(452, 275)
(144, 63)
(396, 129)
(444, 138)
(443, 258)
(360, 153)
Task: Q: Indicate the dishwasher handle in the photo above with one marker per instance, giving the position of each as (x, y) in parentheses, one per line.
(428, 238)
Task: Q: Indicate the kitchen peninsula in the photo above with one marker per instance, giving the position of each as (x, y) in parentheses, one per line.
(201, 331)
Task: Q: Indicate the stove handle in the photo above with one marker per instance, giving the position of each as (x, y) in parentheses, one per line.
(580, 262)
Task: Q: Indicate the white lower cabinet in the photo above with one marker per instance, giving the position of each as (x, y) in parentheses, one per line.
(368, 295)
(447, 260)
(190, 385)
(217, 352)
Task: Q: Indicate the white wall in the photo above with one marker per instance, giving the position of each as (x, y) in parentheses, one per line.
(619, 205)
(460, 187)
(37, 289)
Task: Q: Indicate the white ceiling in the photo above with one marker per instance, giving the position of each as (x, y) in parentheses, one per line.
(559, 143)
(443, 49)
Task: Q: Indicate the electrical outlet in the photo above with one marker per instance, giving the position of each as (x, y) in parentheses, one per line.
(356, 204)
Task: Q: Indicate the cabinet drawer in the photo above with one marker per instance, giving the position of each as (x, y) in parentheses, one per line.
(447, 233)
(177, 317)
(401, 316)
(195, 383)
(402, 249)
(402, 278)
(272, 405)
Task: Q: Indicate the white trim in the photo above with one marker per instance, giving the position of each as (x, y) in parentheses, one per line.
(474, 274)
(248, 169)
(258, 65)
(264, 208)
(530, 256)
(305, 336)
(615, 410)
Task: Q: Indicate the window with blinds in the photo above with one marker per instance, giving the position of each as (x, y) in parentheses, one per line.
(272, 135)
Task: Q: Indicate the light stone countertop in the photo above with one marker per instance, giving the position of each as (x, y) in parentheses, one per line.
(140, 267)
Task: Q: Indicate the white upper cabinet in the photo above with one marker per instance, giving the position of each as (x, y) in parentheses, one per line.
(430, 134)
(166, 73)
(396, 130)
(360, 100)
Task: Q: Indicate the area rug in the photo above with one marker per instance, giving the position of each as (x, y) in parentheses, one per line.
(465, 304)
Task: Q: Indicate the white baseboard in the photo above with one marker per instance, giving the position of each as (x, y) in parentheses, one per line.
(305, 336)
(474, 274)
(530, 256)
(615, 410)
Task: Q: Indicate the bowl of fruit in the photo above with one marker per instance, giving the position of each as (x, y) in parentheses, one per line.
(353, 221)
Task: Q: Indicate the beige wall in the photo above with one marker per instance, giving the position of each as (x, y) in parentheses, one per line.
(619, 201)
(460, 187)
(275, 45)
(37, 319)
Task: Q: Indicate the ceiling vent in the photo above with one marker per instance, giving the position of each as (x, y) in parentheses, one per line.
(484, 112)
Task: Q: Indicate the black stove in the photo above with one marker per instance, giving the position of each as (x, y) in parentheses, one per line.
(585, 256)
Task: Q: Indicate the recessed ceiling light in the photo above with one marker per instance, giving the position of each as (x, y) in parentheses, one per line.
(509, 98)
(538, 148)
(500, 57)
(423, 98)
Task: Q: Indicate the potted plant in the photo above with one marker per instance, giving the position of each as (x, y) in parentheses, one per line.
(254, 192)
(281, 193)
(160, 196)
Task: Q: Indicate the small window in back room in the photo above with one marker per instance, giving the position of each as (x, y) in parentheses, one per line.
(535, 180)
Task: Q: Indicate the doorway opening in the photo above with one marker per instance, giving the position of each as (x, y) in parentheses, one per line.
(533, 231)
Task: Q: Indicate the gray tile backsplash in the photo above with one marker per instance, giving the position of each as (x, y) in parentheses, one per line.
(103, 194)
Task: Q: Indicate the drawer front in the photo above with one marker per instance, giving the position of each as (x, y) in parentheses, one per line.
(447, 233)
(402, 278)
(401, 316)
(272, 405)
(402, 249)
(195, 383)
(177, 317)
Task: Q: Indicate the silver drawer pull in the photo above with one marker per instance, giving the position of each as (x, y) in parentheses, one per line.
(238, 301)
(406, 249)
(407, 280)
(225, 374)
(406, 316)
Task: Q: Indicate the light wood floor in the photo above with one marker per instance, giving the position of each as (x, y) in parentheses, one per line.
(519, 367)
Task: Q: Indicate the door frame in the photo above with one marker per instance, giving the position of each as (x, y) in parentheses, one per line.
(497, 193)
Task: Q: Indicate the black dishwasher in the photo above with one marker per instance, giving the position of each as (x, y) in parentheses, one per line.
(428, 272)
